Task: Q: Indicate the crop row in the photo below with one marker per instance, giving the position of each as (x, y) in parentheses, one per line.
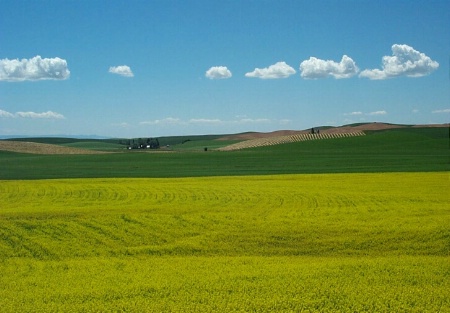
(271, 141)
(338, 214)
(286, 243)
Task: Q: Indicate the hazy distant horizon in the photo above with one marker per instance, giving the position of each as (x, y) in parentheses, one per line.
(97, 137)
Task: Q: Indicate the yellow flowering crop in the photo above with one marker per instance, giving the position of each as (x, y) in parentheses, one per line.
(286, 243)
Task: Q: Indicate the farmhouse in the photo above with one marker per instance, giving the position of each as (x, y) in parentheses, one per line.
(141, 143)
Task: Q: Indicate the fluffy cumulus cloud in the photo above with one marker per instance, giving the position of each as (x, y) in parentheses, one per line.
(5, 114)
(47, 115)
(35, 68)
(405, 61)
(34, 115)
(316, 68)
(277, 70)
(122, 70)
(218, 72)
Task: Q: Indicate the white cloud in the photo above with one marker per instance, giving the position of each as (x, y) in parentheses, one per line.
(33, 69)
(415, 111)
(46, 115)
(218, 72)
(205, 121)
(5, 114)
(441, 111)
(277, 70)
(253, 121)
(377, 113)
(405, 61)
(34, 115)
(359, 113)
(212, 121)
(316, 68)
(122, 70)
(165, 121)
(354, 113)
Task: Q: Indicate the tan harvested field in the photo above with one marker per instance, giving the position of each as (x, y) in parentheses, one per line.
(42, 148)
(256, 135)
(331, 130)
(254, 139)
(271, 141)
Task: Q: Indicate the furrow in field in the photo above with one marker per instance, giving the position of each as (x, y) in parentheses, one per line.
(288, 214)
(327, 242)
(270, 141)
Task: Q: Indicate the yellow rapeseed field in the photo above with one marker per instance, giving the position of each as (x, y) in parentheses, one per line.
(286, 243)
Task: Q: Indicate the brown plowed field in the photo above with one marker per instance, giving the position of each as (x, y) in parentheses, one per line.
(332, 130)
(42, 148)
(253, 139)
(271, 141)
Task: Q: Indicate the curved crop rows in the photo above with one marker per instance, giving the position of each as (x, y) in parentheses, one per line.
(281, 243)
(219, 214)
(271, 141)
(79, 195)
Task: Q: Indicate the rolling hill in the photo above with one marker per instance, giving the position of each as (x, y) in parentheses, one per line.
(51, 145)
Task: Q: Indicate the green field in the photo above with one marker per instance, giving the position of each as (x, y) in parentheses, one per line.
(95, 145)
(342, 225)
(402, 150)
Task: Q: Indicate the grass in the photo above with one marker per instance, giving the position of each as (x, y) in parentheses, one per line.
(200, 145)
(405, 150)
(96, 145)
(181, 140)
(327, 242)
(68, 141)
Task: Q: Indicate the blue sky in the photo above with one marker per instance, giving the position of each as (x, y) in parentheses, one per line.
(159, 68)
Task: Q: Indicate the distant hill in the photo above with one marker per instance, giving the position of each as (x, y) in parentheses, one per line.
(41, 148)
(326, 129)
(63, 145)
